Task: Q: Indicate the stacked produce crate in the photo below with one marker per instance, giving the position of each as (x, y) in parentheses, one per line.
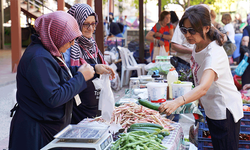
(204, 137)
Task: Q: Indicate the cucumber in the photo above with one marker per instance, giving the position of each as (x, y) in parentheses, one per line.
(160, 136)
(150, 131)
(164, 133)
(147, 128)
(148, 104)
(146, 125)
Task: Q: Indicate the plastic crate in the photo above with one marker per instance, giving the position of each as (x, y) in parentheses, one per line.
(244, 145)
(203, 125)
(205, 144)
(245, 122)
(246, 115)
(245, 128)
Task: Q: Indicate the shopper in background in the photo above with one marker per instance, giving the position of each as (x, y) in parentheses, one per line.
(214, 85)
(245, 50)
(216, 24)
(161, 33)
(226, 20)
(45, 85)
(238, 24)
(85, 51)
(174, 19)
(115, 28)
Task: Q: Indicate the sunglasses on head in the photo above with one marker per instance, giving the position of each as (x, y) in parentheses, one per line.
(190, 30)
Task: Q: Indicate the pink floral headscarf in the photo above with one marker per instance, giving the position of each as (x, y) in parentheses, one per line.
(55, 30)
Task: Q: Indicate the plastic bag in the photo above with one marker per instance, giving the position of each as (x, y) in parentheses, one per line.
(163, 51)
(106, 99)
(242, 66)
(116, 82)
(156, 52)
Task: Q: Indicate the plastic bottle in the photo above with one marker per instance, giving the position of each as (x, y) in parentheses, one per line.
(171, 77)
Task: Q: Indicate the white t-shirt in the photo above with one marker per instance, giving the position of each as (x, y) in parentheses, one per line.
(179, 38)
(230, 29)
(223, 93)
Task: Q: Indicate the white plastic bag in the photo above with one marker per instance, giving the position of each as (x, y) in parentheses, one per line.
(163, 51)
(106, 99)
(116, 82)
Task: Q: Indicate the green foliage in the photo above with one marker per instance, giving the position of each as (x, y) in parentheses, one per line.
(135, 3)
(104, 2)
(186, 3)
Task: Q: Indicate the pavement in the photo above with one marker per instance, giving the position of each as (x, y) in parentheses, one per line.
(8, 99)
(7, 95)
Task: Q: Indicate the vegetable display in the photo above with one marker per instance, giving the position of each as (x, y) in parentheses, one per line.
(148, 104)
(138, 140)
(131, 113)
(245, 99)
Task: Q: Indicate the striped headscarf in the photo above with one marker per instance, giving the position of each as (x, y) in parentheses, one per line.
(84, 48)
(55, 30)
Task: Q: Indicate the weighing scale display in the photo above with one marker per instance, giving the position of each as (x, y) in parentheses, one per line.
(106, 143)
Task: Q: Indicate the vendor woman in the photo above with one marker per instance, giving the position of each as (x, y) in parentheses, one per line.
(214, 85)
(85, 51)
(45, 85)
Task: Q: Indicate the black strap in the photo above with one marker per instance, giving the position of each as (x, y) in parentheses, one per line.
(13, 109)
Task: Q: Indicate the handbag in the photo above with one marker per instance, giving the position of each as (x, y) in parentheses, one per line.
(229, 47)
(242, 66)
(174, 61)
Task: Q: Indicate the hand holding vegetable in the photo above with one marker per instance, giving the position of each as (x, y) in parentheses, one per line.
(105, 69)
(171, 105)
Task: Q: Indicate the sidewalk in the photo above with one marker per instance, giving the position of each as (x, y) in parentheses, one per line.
(7, 93)
(6, 75)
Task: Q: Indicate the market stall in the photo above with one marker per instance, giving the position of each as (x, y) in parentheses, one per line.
(74, 136)
(129, 111)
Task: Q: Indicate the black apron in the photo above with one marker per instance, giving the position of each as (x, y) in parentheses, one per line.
(89, 98)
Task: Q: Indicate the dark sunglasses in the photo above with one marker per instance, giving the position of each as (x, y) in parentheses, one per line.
(190, 30)
(86, 26)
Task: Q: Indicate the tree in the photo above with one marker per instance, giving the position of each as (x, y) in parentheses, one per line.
(186, 3)
(135, 3)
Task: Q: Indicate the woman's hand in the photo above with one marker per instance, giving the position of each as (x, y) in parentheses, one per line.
(246, 87)
(87, 71)
(161, 43)
(105, 69)
(247, 54)
(158, 34)
(171, 105)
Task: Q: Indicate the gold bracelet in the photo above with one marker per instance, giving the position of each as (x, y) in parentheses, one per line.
(184, 100)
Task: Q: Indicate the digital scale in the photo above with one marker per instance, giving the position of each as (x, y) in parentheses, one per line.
(79, 136)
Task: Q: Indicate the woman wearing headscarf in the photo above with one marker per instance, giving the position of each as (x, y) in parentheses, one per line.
(45, 85)
(85, 50)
